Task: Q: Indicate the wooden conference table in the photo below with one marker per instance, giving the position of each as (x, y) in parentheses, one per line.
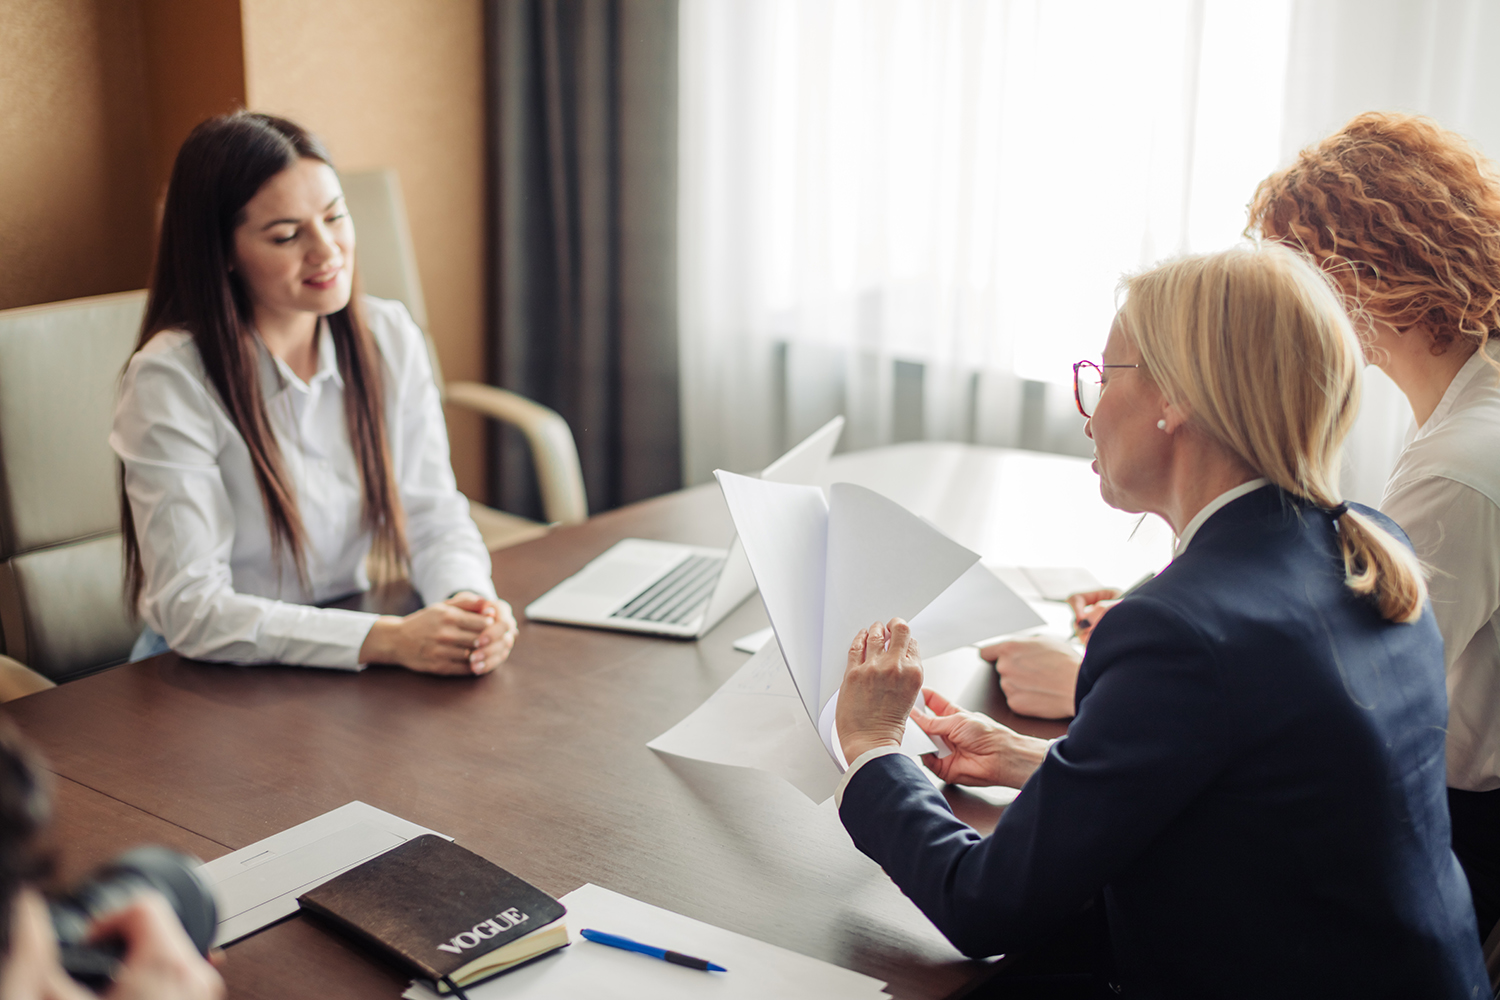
(543, 766)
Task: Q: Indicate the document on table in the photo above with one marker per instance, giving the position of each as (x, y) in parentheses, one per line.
(753, 642)
(259, 884)
(825, 570)
(1057, 583)
(756, 970)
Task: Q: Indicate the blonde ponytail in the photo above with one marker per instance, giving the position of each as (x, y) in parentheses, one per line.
(1255, 345)
(1380, 567)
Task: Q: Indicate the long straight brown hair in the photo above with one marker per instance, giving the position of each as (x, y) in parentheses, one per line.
(220, 167)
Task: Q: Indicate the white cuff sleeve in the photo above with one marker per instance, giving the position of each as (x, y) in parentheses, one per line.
(859, 762)
(442, 581)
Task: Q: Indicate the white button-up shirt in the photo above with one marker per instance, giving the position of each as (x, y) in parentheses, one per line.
(1445, 493)
(1211, 508)
(211, 586)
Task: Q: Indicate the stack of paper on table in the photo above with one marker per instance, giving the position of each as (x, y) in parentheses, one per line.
(1048, 583)
(259, 884)
(756, 970)
(827, 568)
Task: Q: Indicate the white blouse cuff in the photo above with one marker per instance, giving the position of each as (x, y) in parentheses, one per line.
(444, 583)
(859, 762)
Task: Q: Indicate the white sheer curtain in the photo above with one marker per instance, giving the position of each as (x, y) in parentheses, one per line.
(903, 209)
(915, 212)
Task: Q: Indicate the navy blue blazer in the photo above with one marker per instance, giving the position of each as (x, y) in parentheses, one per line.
(1254, 779)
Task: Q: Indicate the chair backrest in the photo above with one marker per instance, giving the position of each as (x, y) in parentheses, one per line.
(383, 251)
(62, 608)
(388, 269)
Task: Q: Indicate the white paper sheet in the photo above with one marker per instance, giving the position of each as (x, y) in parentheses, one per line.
(757, 720)
(884, 562)
(259, 884)
(827, 568)
(785, 532)
(971, 603)
(598, 972)
(978, 605)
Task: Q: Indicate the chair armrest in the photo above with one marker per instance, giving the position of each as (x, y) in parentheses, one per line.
(552, 448)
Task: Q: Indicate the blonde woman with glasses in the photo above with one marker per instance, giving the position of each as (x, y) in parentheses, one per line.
(1039, 674)
(1251, 795)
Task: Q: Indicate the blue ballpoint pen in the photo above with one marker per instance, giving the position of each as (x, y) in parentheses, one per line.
(675, 957)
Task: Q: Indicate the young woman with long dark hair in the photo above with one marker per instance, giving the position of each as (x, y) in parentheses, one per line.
(277, 432)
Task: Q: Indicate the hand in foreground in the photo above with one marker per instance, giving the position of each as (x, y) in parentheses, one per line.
(1038, 675)
(498, 639)
(984, 751)
(31, 970)
(439, 639)
(160, 962)
(881, 682)
(1088, 607)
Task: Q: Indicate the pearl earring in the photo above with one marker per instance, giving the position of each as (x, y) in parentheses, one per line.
(1161, 425)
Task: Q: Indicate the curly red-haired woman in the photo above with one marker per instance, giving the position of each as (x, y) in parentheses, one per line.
(1406, 216)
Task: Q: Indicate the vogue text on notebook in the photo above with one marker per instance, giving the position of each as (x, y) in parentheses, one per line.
(443, 912)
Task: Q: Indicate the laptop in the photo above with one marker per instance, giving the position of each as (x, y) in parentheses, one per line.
(664, 588)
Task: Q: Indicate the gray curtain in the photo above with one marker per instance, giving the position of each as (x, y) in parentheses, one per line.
(583, 232)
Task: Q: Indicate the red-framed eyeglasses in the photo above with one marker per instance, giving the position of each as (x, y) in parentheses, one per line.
(1088, 384)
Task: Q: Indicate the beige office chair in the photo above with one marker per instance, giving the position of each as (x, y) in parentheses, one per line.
(61, 609)
(387, 267)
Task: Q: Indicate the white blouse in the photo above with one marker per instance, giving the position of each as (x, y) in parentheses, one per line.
(1445, 493)
(211, 587)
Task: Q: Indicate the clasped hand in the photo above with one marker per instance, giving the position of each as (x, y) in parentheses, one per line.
(882, 680)
(1040, 674)
(466, 634)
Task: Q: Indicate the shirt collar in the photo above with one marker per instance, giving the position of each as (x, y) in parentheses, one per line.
(1212, 508)
(277, 376)
(1472, 369)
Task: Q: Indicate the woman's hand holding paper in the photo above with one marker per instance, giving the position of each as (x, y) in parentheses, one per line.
(984, 751)
(881, 682)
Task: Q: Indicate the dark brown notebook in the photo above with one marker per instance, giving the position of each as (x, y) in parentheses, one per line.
(442, 911)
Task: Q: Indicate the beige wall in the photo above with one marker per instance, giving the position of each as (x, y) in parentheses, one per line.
(397, 84)
(95, 98)
(195, 68)
(75, 186)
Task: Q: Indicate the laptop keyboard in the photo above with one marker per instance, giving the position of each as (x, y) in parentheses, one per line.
(679, 595)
